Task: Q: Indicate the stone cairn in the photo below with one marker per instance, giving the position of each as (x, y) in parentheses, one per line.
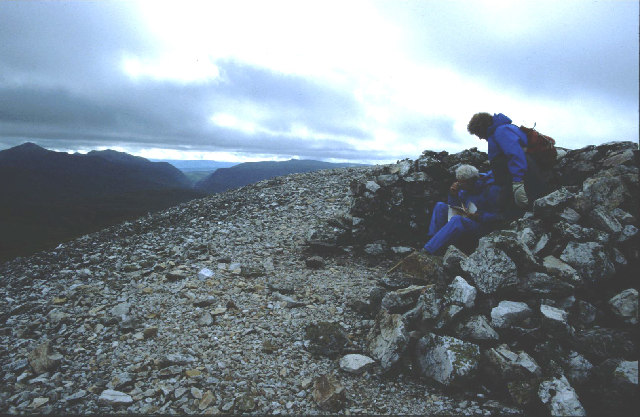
(542, 311)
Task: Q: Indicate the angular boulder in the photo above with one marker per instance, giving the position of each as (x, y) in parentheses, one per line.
(490, 269)
(477, 329)
(560, 398)
(509, 365)
(590, 260)
(507, 313)
(388, 339)
(461, 293)
(447, 360)
(625, 306)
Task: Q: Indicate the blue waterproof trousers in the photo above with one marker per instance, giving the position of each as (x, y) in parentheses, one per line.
(442, 233)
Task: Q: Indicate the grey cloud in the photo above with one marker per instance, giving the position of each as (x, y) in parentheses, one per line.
(592, 50)
(416, 126)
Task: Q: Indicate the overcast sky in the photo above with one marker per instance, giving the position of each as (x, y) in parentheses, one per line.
(371, 81)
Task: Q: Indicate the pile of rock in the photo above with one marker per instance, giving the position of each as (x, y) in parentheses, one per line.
(392, 207)
(543, 312)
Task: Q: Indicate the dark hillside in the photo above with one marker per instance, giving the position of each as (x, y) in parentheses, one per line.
(249, 172)
(48, 197)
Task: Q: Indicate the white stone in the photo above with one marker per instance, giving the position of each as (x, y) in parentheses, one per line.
(560, 398)
(461, 292)
(629, 370)
(553, 313)
(110, 396)
(205, 273)
(355, 364)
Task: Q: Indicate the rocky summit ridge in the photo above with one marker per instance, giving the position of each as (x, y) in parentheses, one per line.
(288, 297)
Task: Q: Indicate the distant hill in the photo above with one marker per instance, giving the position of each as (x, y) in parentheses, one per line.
(48, 197)
(249, 172)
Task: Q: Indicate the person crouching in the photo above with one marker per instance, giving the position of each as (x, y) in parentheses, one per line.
(475, 204)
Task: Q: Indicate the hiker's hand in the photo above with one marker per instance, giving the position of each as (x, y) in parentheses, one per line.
(474, 216)
(519, 194)
(453, 190)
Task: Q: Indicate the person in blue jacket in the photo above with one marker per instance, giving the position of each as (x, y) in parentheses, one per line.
(509, 162)
(473, 191)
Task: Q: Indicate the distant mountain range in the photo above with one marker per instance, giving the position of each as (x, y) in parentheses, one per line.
(48, 197)
(224, 179)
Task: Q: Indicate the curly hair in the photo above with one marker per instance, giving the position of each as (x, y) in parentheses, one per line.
(479, 124)
(466, 172)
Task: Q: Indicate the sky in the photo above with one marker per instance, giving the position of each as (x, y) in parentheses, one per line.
(358, 81)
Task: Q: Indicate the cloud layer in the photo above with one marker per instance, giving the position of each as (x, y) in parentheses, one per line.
(362, 81)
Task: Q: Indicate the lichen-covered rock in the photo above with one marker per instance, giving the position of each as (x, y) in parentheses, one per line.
(540, 284)
(490, 270)
(447, 360)
(590, 260)
(387, 339)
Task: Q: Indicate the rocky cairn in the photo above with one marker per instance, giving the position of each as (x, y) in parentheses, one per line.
(542, 312)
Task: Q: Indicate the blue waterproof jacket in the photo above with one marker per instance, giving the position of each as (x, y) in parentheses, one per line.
(506, 139)
(486, 195)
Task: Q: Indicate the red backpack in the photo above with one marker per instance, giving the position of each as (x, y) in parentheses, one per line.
(541, 148)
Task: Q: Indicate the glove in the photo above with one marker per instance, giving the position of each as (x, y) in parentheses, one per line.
(519, 194)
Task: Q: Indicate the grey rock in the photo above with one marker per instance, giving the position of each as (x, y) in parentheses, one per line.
(121, 310)
(476, 328)
(461, 293)
(553, 203)
(578, 369)
(508, 313)
(490, 269)
(625, 305)
(561, 270)
(541, 284)
(627, 233)
(560, 398)
(447, 360)
(452, 259)
(590, 260)
(577, 233)
(387, 339)
(605, 221)
(627, 372)
(402, 299)
(509, 365)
